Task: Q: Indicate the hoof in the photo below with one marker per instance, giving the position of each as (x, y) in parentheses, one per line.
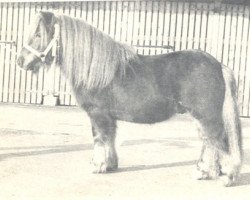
(205, 172)
(227, 180)
(103, 167)
(112, 167)
(201, 175)
(99, 168)
(104, 161)
(99, 159)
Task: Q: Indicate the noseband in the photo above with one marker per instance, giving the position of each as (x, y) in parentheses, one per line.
(54, 44)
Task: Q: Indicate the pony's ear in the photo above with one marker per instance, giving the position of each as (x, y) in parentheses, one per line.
(48, 17)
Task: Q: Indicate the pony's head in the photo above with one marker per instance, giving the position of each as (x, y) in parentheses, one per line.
(87, 57)
(37, 50)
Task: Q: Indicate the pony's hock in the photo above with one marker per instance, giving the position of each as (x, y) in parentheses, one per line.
(106, 76)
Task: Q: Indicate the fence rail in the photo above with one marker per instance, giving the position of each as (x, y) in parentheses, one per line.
(217, 28)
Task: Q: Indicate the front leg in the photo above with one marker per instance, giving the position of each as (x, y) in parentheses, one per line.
(104, 133)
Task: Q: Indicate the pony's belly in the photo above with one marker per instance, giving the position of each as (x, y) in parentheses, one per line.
(147, 114)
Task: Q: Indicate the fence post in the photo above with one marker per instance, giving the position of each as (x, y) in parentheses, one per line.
(50, 98)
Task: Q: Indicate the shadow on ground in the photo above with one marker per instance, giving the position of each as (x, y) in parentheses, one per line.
(157, 166)
(179, 142)
(244, 179)
(45, 151)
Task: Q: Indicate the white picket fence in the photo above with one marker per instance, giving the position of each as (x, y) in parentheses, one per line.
(217, 28)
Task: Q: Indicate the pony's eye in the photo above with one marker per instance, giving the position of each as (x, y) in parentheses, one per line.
(38, 35)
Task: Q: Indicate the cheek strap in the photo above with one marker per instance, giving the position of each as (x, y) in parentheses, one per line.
(52, 45)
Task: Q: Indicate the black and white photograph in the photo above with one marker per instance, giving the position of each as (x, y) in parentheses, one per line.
(125, 100)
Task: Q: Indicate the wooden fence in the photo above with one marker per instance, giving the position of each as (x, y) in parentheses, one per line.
(217, 28)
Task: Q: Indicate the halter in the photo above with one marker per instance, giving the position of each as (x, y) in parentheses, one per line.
(52, 45)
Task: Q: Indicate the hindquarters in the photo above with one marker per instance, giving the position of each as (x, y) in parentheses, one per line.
(222, 155)
(200, 86)
(221, 134)
(207, 90)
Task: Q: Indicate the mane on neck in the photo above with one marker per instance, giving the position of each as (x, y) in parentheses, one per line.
(89, 57)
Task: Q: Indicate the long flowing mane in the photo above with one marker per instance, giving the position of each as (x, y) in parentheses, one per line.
(90, 57)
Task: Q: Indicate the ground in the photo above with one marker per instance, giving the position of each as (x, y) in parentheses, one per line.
(45, 153)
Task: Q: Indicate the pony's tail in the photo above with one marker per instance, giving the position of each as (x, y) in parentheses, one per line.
(231, 121)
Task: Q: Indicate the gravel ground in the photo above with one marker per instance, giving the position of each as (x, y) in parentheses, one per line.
(45, 153)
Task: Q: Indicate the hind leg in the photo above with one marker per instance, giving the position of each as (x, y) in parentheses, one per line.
(208, 165)
(104, 132)
(230, 168)
(216, 159)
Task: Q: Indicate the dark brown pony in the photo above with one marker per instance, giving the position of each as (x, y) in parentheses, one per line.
(111, 82)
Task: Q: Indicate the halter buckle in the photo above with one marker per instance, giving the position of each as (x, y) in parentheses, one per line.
(42, 57)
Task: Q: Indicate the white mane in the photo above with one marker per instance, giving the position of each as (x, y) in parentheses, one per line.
(90, 57)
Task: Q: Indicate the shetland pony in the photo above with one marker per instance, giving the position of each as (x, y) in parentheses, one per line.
(111, 82)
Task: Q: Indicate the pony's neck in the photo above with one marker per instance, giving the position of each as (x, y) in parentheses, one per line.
(88, 56)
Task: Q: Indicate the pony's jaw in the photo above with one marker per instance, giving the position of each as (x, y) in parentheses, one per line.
(33, 66)
(29, 62)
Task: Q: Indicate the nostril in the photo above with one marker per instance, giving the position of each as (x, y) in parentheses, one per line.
(20, 61)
